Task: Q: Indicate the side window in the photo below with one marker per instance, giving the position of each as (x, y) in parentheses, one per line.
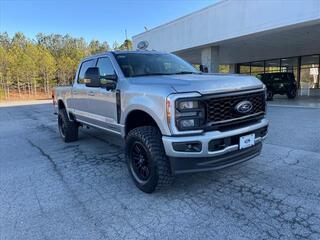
(84, 66)
(276, 77)
(105, 66)
(266, 77)
(284, 76)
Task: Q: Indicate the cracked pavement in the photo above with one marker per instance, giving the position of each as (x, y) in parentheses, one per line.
(82, 190)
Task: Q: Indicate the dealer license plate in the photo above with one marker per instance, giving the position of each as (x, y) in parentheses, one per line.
(246, 141)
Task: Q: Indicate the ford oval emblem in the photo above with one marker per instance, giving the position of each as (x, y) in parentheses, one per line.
(243, 107)
(143, 45)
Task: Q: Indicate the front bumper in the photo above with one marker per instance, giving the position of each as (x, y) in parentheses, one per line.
(186, 161)
(188, 165)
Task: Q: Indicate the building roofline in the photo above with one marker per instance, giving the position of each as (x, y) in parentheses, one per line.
(178, 19)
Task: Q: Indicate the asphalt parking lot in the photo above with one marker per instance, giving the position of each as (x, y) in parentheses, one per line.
(82, 190)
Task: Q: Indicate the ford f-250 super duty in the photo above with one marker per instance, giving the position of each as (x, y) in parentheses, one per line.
(174, 119)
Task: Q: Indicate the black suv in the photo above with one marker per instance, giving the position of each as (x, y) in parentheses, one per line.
(279, 83)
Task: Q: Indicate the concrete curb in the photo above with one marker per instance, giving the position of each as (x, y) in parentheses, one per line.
(292, 106)
(22, 103)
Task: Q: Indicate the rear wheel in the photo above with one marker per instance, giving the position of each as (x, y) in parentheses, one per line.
(269, 95)
(148, 165)
(292, 93)
(68, 129)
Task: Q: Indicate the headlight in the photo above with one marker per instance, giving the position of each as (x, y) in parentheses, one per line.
(188, 105)
(189, 115)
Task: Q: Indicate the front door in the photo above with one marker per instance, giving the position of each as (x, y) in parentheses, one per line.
(78, 102)
(102, 106)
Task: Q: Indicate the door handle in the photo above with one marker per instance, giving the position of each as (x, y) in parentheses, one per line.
(91, 93)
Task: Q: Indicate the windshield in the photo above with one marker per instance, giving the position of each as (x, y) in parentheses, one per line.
(145, 64)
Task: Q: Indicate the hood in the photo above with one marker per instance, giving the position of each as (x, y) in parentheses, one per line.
(202, 83)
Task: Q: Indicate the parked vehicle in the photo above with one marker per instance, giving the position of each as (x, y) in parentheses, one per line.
(279, 83)
(174, 119)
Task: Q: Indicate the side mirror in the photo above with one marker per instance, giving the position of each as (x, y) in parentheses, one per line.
(92, 77)
(109, 81)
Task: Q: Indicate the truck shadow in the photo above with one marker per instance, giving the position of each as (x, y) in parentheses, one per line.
(112, 156)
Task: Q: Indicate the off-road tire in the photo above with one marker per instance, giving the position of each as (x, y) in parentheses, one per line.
(149, 138)
(292, 93)
(269, 95)
(68, 129)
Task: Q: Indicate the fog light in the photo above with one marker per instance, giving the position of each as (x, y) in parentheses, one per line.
(187, 146)
(187, 123)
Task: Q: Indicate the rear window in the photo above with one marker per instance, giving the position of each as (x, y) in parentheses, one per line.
(263, 77)
(277, 77)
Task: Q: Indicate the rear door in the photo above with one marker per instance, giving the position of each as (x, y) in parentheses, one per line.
(283, 82)
(287, 82)
(79, 91)
(277, 84)
(102, 105)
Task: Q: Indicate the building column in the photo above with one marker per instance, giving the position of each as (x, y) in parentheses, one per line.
(210, 58)
(233, 68)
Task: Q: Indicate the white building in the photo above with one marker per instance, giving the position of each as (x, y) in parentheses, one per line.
(247, 36)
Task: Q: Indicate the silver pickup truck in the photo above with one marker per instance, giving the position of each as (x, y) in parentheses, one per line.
(174, 119)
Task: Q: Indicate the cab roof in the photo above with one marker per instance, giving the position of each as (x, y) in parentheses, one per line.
(123, 52)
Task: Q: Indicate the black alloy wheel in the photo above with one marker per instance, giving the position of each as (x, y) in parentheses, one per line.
(140, 163)
(147, 162)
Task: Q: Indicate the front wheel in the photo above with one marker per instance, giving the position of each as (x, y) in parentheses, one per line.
(148, 165)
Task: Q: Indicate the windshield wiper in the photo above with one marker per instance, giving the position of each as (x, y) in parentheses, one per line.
(162, 73)
(185, 72)
(149, 74)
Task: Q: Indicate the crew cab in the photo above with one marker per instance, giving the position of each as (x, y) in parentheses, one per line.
(173, 118)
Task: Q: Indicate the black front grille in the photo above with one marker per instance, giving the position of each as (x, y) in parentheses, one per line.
(221, 110)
